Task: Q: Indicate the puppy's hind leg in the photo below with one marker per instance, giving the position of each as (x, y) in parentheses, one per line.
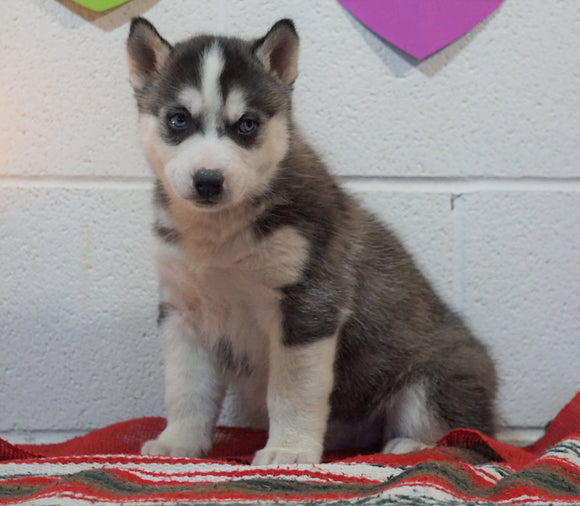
(412, 424)
(457, 393)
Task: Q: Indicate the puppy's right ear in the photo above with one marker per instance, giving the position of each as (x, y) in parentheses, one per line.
(147, 51)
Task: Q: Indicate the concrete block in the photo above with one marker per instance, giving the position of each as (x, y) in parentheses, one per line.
(78, 299)
(487, 105)
(78, 291)
(67, 105)
(522, 275)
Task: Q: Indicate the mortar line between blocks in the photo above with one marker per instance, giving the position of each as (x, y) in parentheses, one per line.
(458, 208)
(511, 435)
(448, 185)
(77, 182)
(457, 185)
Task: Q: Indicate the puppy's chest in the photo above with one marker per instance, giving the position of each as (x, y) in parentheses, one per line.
(232, 292)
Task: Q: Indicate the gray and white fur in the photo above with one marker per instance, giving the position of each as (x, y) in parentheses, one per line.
(274, 281)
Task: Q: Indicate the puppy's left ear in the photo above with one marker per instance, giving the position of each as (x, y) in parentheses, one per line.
(278, 51)
(147, 51)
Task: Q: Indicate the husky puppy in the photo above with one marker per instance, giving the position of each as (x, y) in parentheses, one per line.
(273, 280)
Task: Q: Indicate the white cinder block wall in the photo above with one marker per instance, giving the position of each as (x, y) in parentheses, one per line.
(472, 155)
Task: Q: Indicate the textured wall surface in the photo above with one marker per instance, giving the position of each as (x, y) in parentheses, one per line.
(472, 155)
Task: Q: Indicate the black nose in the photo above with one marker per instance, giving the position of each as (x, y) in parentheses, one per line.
(208, 183)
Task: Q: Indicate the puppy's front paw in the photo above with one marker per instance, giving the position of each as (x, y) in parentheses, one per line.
(275, 456)
(171, 447)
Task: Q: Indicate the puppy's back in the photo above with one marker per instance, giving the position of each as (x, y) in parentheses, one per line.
(396, 331)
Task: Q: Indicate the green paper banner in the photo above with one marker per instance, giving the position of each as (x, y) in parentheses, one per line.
(100, 5)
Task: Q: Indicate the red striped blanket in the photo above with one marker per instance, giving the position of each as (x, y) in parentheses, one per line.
(103, 468)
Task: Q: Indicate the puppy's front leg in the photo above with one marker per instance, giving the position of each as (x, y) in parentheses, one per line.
(194, 392)
(299, 386)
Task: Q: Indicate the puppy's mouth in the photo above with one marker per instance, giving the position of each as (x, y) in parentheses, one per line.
(208, 203)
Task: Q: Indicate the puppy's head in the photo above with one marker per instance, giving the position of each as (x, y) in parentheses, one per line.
(214, 111)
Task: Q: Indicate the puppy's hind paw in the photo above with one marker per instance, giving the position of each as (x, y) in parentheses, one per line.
(277, 456)
(400, 445)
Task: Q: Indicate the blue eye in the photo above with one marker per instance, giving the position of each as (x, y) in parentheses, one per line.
(246, 125)
(178, 121)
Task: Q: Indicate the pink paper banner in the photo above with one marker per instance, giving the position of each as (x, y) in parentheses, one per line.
(421, 27)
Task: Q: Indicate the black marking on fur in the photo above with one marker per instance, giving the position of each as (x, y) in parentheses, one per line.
(160, 195)
(264, 95)
(305, 197)
(144, 57)
(228, 361)
(167, 234)
(243, 71)
(181, 70)
(173, 136)
(163, 311)
(247, 141)
(310, 312)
